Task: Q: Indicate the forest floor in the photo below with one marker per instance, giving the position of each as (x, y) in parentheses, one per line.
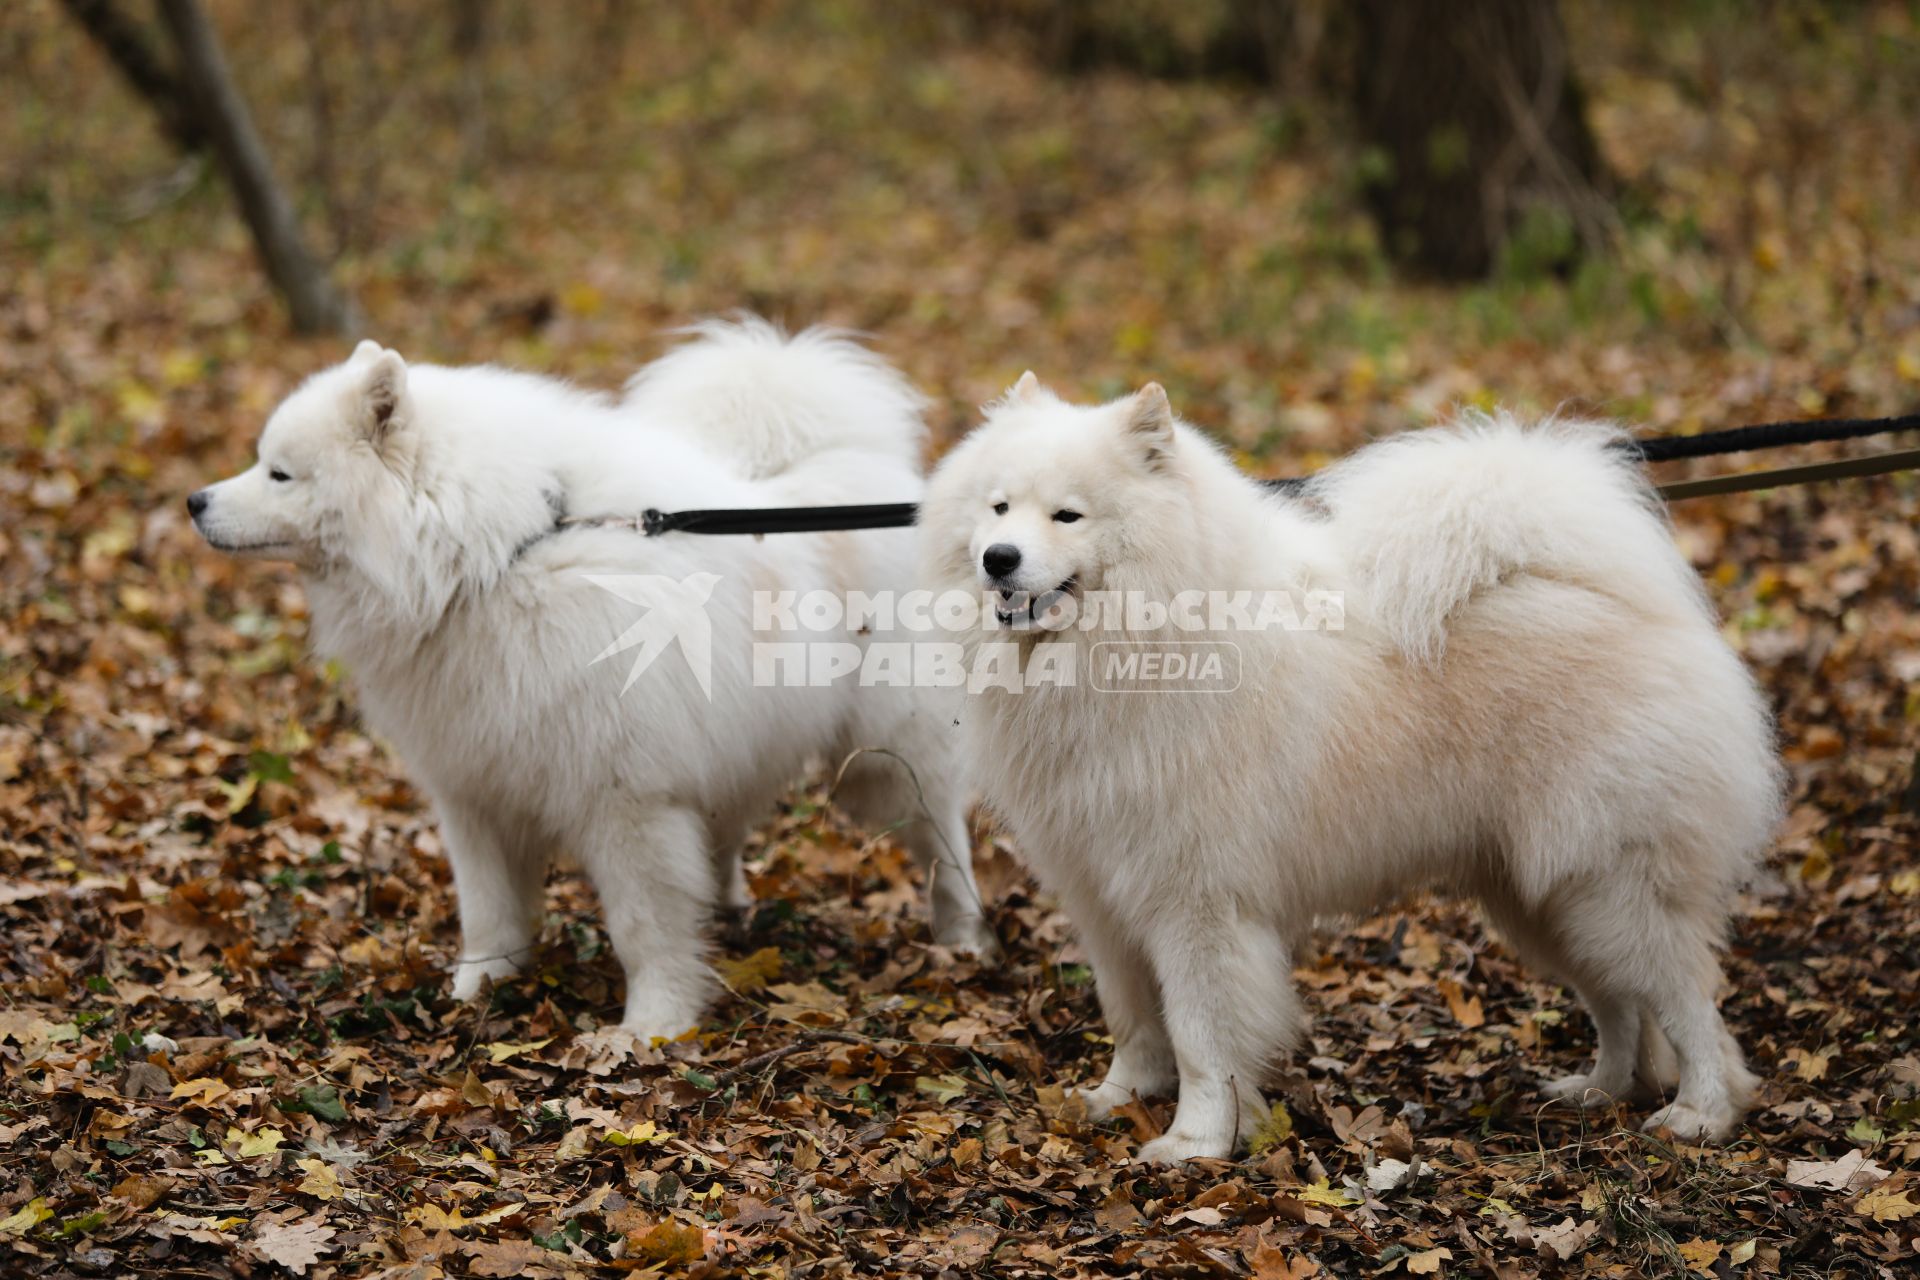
(225, 1040)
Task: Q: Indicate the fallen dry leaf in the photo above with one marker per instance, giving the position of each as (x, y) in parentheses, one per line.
(749, 975)
(501, 1051)
(322, 1181)
(1466, 1009)
(294, 1245)
(668, 1244)
(1565, 1238)
(1850, 1172)
(807, 1002)
(1883, 1204)
(432, 1217)
(1700, 1255)
(142, 1190)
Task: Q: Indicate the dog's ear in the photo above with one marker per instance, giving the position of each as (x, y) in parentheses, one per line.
(1026, 389)
(380, 404)
(1150, 422)
(364, 352)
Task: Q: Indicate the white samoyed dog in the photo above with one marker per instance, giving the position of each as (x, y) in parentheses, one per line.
(443, 521)
(1528, 702)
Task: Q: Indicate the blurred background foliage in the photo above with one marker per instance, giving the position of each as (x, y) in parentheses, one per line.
(1105, 191)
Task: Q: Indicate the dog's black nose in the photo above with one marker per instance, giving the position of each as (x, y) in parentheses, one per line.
(1001, 559)
(196, 503)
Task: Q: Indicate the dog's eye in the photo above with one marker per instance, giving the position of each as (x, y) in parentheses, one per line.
(999, 508)
(1066, 517)
(279, 475)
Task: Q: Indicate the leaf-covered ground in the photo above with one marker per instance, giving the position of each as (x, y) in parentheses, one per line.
(224, 1037)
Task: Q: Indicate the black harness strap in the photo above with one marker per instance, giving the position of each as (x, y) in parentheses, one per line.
(1770, 435)
(1878, 464)
(877, 515)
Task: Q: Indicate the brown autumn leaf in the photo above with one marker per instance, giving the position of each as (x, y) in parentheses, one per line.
(1466, 1009)
(1565, 1238)
(1700, 1255)
(295, 1245)
(807, 1002)
(1849, 1172)
(750, 974)
(668, 1244)
(1269, 1261)
(506, 1258)
(142, 1190)
(1884, 1204)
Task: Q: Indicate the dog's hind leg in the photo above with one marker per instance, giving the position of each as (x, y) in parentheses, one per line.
(1143, 1059)
(498, 875)
(1227, 995)
(1659, 948)
(1659, 1068)
(654, 874)
(1534, 935)
(924, 807)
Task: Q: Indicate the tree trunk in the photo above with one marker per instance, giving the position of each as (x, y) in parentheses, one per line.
(1247, 40)
(471, 24)
(314, 304)
(125, 44)
(1472, 118)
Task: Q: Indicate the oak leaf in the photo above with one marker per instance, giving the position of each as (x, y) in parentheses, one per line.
(293, 1245)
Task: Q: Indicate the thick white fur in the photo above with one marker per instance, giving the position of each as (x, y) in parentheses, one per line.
(1529, 704)
(422, 504)
(733, 391)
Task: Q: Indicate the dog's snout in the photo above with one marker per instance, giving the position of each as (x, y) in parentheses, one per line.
(197, 502)
(1001, 559)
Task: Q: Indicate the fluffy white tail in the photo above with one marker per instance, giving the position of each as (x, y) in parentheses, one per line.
(764, 401)
(1431, 517)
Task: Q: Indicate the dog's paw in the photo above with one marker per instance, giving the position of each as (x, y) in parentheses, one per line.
(656, 1018)
(646, 1030)
(1172, 1148)
(1690, 1125)
(1581, 1090)
(1103, 1099)
(969, 936)
(470, 976)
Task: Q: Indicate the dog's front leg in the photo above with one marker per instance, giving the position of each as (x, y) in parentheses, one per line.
(498, 880)
(727, 838)
(1231, 1011)
(1143, 1060)
(654, 872)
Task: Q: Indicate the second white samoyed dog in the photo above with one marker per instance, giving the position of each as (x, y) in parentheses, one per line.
(1529, 703)
(437, 515)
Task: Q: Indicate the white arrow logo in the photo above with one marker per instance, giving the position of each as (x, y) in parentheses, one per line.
(676, 612)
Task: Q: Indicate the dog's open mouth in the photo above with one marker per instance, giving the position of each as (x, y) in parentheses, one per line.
(1025, 609)
(237, 548)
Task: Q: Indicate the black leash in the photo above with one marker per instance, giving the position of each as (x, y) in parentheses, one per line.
(875, 515)
(1878, 464)
(1770, 435)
